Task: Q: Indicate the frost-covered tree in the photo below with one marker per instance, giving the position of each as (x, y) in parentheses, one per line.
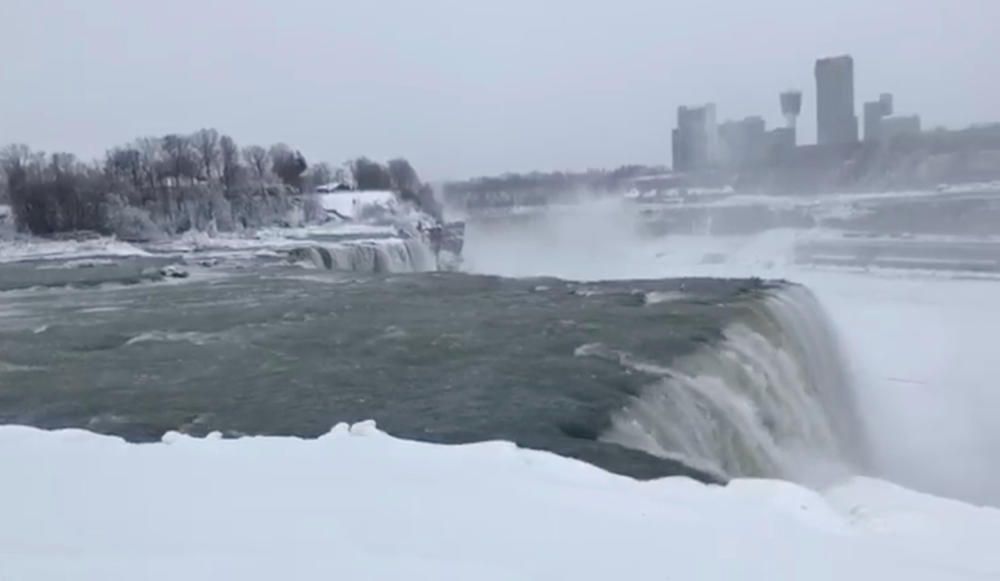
(179, 160)
(257, 160)
(229, 159)
(206, 143)
(317, 175)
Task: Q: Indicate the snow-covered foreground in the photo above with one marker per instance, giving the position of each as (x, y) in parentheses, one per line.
(361, 505)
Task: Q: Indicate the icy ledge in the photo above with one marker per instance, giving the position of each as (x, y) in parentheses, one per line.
(359, 504)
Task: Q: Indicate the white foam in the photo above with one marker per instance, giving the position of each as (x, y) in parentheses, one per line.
(194, 337)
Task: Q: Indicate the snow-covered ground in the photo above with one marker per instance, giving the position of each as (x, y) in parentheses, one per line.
(351, 204)
(361, 505)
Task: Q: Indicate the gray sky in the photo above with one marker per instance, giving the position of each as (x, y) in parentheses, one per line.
(464, 87)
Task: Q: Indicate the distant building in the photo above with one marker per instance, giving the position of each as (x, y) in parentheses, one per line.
(780, 142)
(875, 112)
(791, 108)
(696, 138)
(900, 126)
(743, 143)
(836, 122)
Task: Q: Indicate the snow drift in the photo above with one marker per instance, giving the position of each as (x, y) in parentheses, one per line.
(357, 504)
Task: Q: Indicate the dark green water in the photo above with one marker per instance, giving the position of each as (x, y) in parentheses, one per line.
(280, 350)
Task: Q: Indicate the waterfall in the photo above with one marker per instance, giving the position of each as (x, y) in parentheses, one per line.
(376, 256)
(772, 399)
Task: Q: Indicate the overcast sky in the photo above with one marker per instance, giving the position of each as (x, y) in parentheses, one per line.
(469, 87)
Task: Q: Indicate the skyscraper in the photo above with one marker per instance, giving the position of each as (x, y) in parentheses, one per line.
(696, 138)
(836, 121)
(875, 112)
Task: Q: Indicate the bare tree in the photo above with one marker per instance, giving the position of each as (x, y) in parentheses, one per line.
(370, 175)
(229, 155)
(341, 176)
(288, 165)
(179, 157)
(14, 160)
(319, 174)
(404, 177)
(206, 142)
(125, 164)
(150, 154)
(257, 159)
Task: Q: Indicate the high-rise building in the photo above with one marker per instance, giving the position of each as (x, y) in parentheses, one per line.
(874, 113)
(901, 126)
(696, 139)
(742, 143)
(836, 121)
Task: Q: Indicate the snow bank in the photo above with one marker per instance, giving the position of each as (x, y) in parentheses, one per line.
(358, 504)
(351, 204)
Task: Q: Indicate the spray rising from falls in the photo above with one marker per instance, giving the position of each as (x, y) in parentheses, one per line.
(376, 256)
(771, 399)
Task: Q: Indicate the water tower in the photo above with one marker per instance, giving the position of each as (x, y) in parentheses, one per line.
(791, 107)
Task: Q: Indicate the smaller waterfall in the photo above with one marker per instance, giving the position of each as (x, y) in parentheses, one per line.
(376, 256)
(772, 399)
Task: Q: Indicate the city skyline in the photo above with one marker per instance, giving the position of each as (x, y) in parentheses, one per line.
(558, 85)
(701, 141)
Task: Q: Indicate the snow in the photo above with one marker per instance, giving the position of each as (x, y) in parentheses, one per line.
(31, 249)
(350, 203)
(358, 504)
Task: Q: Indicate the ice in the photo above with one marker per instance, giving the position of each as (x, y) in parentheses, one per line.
(33, 249)
(380, 508)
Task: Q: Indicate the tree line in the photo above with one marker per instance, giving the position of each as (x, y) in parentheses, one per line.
(539, 188)
(170, 184)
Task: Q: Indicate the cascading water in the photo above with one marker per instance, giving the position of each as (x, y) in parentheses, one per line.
(380, 256)
(772, 399)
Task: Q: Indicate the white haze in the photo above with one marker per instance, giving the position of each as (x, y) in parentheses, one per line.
(921, 347)
(469, 88)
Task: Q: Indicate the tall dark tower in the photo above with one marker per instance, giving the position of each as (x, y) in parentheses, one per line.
(836, 121)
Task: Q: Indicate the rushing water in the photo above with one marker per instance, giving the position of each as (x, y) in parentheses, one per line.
(705, 377)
